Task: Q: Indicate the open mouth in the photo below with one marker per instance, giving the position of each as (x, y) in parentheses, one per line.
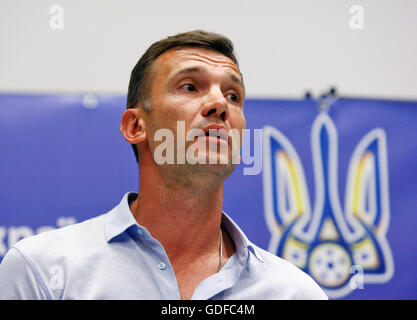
(214, 136)
(214, 133)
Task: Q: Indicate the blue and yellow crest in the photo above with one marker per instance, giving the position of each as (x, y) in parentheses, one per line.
(340, 248)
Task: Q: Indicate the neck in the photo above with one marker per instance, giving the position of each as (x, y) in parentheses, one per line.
(183, 211)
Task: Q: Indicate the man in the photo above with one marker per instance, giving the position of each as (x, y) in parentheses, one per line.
(172, 240)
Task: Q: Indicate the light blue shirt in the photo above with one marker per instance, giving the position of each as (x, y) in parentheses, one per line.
(112, 257)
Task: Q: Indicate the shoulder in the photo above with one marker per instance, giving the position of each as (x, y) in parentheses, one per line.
(64, 241)
(286, 277)
(32, 263)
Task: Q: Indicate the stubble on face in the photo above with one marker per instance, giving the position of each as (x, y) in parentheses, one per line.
(170, 105)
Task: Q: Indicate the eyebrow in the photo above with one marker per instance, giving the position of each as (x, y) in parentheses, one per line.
(189, 70)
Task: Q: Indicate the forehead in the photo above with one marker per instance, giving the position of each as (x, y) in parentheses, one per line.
(178, 58)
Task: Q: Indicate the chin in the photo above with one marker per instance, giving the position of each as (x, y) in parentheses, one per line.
(216, 169)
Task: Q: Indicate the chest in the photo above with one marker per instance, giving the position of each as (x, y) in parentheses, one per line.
(190, 275)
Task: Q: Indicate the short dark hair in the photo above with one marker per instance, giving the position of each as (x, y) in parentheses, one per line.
(141, 77)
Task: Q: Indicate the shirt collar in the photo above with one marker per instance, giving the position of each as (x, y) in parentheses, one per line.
(242, 244)
(121, 218)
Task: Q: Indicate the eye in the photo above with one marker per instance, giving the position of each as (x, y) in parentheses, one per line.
(233, 97)
(188, 87)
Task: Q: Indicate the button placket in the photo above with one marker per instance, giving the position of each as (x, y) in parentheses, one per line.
(161, 264)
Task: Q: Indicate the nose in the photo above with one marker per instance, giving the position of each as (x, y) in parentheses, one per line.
(216, 105)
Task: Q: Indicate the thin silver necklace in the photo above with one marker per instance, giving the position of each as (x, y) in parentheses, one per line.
(221, 251)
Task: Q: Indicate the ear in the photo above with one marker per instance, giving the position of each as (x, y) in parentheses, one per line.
(133, 126)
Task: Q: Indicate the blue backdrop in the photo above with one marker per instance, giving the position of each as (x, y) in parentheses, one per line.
(336, 194)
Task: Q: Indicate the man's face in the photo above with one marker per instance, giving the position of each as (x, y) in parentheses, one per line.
(201, 88)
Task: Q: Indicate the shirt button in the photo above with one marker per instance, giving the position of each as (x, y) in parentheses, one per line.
(162, 266)
(139, 232)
